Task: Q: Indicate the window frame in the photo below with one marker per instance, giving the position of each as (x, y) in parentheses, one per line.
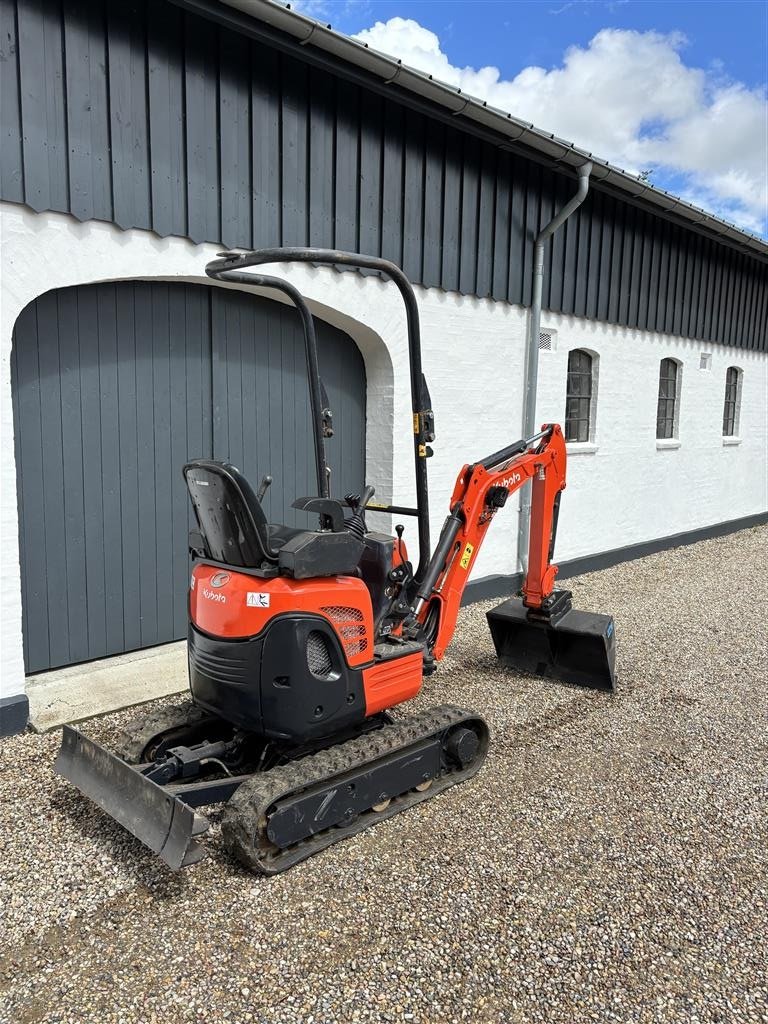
(668, 400)
(583, 398)
(732, 399)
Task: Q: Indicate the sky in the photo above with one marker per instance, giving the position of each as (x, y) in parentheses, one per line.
(674, 89)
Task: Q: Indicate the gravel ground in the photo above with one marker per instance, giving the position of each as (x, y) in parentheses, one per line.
(609, 863)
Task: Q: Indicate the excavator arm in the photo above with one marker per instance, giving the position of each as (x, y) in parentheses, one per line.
(481, 490)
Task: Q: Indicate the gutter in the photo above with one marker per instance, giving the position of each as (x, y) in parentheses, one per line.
(243, 16)
(532, 347)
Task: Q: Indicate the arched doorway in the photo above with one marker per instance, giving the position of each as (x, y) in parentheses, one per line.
(115, 386)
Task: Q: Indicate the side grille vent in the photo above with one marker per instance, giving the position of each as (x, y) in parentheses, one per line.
(318, 655)
(350, 626)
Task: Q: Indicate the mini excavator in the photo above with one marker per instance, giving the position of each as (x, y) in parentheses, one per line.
(301, 641)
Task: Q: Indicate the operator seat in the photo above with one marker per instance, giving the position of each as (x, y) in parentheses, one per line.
(229, 514)
(234, 529)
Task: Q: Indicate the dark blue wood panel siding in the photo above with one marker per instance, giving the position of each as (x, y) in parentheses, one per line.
(115, 387)
(150, 116)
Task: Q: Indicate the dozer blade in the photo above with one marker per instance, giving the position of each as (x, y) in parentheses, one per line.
(162, 822)
(579, 647)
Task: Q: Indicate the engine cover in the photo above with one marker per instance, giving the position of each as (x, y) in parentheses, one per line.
(279, 657)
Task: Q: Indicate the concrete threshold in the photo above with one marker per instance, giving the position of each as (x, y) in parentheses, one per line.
(83, 691)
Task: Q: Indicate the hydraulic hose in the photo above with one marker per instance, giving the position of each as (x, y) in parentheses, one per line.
(448, 534)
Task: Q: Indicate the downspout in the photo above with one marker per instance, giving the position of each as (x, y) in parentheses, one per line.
(532, 348)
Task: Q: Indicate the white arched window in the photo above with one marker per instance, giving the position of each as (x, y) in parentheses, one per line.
(732, 404)
(580, 396)
(668, 408)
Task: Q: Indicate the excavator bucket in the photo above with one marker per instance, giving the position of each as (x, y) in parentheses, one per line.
(576, 647)
(161, 821)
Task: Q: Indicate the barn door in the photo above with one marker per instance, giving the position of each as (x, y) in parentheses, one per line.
(115, 387)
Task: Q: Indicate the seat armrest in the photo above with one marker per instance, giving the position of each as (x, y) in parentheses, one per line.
(328, 507)
(197, 544)
(311, 554)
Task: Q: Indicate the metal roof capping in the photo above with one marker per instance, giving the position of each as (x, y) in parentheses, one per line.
(312, 34)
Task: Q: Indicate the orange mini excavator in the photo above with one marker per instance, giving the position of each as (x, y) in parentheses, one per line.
(302, 640)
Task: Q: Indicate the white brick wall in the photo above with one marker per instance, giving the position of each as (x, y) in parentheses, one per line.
(624, 492)
(630, 491)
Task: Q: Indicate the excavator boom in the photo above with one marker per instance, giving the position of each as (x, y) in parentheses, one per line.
(537, 631)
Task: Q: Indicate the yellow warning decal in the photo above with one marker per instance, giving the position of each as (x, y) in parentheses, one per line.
(465, 558)
(415, 423)
(422, 451)
(375, 504)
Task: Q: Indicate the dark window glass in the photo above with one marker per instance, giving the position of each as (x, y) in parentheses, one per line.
(665, 411)
(578, 396)
(731, 398)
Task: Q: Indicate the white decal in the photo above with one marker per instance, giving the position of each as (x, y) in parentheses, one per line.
(192, 583)
(257, 599)
(508, 481)
(214, 595)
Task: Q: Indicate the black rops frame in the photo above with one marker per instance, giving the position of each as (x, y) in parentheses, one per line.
(316, 402)
(228, 268)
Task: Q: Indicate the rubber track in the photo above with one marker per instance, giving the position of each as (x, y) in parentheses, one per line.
(136, 735)
(245, 817)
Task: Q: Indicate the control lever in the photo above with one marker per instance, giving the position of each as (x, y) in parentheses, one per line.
(368, 493)
(357, 502)
(264, 486)
(401, 575)
(400, 530)
(356, 524)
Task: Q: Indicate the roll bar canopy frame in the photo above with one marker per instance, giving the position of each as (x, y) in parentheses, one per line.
(310, 348)
(229, 267)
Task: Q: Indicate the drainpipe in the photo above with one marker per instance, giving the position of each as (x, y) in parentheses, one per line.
(532, 349)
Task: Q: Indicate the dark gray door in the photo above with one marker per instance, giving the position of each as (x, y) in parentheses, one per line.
(115, 386)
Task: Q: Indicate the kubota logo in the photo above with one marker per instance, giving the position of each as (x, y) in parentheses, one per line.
(508, 481)
(219, 579)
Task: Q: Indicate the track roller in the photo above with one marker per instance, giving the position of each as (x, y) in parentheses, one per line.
(283, 816)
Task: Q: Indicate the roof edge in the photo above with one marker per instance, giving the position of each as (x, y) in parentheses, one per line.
(309, 32)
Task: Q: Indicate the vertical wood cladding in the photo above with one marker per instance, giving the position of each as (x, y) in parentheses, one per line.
(151, 117)
(115, 387)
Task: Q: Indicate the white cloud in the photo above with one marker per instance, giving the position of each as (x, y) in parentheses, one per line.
(630, 98)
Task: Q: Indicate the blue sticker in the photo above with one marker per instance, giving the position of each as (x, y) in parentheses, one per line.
(610, 628)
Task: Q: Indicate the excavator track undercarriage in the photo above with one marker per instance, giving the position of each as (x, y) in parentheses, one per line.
(277, 816)
(148, 737)
(282, 817)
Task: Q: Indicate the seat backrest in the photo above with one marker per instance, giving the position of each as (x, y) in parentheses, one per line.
(229, 514)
